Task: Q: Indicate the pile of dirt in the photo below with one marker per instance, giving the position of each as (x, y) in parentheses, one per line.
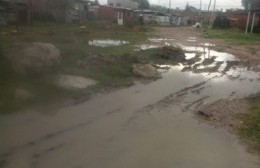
(145, 71)
(33, 57)
(170, 53)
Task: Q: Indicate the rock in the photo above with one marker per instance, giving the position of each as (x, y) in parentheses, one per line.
(204, 114)
(145, 70)
(34, 57)
(74, 82)
(22, 94)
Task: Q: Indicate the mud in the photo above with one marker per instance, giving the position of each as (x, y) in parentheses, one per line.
(230, 114)
(145, 125)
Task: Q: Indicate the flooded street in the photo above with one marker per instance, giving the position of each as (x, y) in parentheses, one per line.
(146, 125)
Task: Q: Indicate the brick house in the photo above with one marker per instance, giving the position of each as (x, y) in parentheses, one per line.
(117, 14)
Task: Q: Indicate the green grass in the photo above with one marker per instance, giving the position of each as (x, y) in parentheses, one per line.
(250, 129)
(232, 35)
(111, 66)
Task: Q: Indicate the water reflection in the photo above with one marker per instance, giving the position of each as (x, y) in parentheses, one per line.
(107, 43)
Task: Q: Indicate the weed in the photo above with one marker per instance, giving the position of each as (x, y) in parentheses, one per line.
(251, 124)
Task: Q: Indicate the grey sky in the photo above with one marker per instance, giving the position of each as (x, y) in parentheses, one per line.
(221, 4)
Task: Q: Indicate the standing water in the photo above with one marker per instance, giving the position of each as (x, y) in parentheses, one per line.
(141, 126)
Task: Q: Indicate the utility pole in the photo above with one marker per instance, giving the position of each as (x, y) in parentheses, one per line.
(200, 5)
(200, 11)
(213, 13)
(248, 17)
(209, 5)
(170, 4)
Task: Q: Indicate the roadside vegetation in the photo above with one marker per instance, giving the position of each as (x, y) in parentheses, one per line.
(250, 129)
(110, 66)
(233, 35)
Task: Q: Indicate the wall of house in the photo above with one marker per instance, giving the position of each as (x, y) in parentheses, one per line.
(39, 6)
(107, 13)
(242, 21)
(153, 18)
(111, 14)
(123, 3)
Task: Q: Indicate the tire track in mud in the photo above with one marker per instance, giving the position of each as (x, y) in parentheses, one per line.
(5, 155)
(176, 99)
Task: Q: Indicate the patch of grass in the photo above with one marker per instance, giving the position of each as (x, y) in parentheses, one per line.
(250, 129)
(112, 67)
(232, 35)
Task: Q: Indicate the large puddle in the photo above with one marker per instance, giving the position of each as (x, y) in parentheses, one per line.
(149, 125)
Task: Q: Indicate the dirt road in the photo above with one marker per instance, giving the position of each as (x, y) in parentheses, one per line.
(146, 125)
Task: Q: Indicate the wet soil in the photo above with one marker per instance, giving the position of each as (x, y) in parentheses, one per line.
(146, 125)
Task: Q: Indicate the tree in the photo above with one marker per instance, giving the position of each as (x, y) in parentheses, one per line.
(254, 4)
(96, 3)
(189, 8)
(143, 4)
(59, 8)
(158, 8)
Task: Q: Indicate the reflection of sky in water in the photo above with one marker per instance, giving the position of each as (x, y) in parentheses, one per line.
(160, 40)
(203, 51)
(207, 53)
(107, 43)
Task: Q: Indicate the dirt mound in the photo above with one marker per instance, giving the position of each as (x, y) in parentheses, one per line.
(33, 57)
(146, 71)
(170, 53)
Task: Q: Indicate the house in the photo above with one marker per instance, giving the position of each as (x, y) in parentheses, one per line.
(149, 17)
(242, 21)
(14, 12)
(123, 4)
(116, 14)
(82, 10)
(179, 20)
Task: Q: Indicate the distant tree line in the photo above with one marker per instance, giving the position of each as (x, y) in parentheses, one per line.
(143, 4)
(254, 4)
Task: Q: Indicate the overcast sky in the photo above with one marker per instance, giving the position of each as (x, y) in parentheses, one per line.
(221, 4)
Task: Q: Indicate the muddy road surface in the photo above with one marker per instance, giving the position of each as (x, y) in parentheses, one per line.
(146, 125)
